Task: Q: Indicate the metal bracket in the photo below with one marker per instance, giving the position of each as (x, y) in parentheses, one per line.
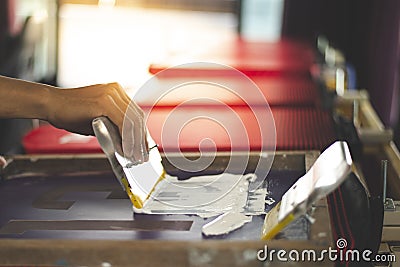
(388, 203)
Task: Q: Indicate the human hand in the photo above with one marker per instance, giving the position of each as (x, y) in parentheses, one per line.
(74, 109)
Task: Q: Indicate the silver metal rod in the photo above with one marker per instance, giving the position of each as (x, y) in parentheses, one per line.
(384, 172)
(356, 109)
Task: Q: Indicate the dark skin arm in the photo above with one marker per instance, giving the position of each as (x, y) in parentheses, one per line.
(74, 109)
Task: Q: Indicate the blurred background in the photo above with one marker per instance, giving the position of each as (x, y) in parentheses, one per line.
(78, 42)
(329, 70)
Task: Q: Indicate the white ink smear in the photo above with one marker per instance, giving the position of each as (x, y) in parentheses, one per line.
(205, 196)
(270, 201)
(225, 223)
(225, 194)
(256, 201)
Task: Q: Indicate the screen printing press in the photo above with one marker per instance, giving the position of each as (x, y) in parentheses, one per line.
(69, 210)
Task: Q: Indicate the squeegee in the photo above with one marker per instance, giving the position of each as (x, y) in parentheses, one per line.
(328, 172)
(138, 181)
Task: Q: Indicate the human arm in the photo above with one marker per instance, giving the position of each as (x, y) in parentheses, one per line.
(74, 109)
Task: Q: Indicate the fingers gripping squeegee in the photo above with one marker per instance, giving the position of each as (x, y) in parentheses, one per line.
(330, 169)
(138, 181)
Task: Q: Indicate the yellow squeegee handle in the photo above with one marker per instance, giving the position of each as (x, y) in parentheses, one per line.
(268, 234)
(272, 225)
(135, 200)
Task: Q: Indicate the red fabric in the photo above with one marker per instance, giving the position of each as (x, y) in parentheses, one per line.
(230, 128)
(303, 129)
(288, 92)
(184, 128)
(234, 91)
(285, 57)
(296, 129)
(50, 140)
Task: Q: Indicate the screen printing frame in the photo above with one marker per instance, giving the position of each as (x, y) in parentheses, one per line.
(156, 252)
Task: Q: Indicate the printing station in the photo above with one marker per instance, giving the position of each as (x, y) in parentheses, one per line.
(263, 142)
